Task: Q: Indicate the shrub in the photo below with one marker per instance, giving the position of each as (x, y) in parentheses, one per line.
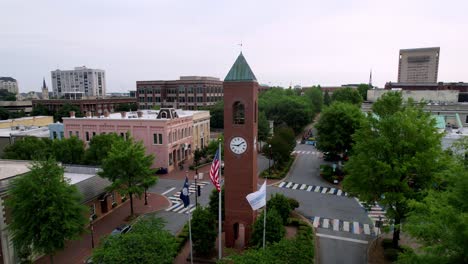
(391, 254)
(293, 203)
(281, 204)
(203, 231)
(274, 229)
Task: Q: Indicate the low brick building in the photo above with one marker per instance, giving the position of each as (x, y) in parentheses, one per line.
(93, 106)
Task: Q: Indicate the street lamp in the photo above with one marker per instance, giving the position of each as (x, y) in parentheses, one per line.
(92, 230)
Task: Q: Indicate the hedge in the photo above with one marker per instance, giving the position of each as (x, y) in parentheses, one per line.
(278, 174)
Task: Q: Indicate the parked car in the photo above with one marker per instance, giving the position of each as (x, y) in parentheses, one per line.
(121, 229)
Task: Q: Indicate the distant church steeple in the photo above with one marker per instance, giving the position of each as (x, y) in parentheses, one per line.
(370, 79)
(45, 90)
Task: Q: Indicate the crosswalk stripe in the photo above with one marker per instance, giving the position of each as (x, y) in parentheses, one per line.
(172, 207)
(346, 226)
(191, 210)
(308, 152)
(356, 228)
(303, 186)
(317, 189)
(295, 186)
(282, 184)
(324, 190)
(366, 229)
(332, 190)
(316, 221)
(325, 223)
(289, 185)
(168, 191)
(339, 193)
(178, 208)
(336, 224)
(187, 208)
(310, 188)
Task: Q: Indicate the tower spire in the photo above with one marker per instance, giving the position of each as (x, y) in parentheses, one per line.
(370, 79)
(43, 83)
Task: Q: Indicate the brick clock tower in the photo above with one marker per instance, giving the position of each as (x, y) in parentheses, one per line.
(240, 151)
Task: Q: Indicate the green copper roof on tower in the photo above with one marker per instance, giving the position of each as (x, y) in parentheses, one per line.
(240, 71)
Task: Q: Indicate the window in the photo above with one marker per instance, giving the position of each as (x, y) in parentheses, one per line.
(87, 136)
(238, 113)
(170, 158)
(54, 135)
(94, 133)
(78, 134)
(61, 134)
(157, 139)
(70, 133)
(113, 197)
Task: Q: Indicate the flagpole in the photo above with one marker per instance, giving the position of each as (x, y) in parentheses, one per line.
(219, 203)
(190, 235)
(265, 211)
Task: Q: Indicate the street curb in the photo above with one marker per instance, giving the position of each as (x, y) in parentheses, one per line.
(287, 174)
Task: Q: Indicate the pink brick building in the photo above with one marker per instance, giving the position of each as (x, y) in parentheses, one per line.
(166, 133)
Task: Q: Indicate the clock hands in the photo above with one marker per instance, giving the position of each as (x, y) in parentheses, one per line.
(240, 144)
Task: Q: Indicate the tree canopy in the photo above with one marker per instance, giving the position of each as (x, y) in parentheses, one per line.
(5, 95)
(263, 127)
(28, 148)
(65, 110)
(148, 242)
(127, 166)
(99, 147)
(46, 211)
(336, 126)
(68, 150)
(347, 95)
(274, 229)
(394, 159)
(203, 231)
(315, 96)
(282, 143)
(362, 89)
(217, 115)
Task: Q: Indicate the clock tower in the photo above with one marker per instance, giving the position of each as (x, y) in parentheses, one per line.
(240, 150)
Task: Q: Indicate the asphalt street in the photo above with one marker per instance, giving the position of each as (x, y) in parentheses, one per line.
(342, 222)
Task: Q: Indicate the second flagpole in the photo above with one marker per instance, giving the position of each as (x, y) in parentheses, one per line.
(220, 238)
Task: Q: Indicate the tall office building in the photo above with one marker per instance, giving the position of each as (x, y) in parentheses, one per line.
(418, 65)
(78, 83)
(9, 84)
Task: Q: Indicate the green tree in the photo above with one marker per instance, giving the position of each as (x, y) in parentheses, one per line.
(46, 210)
(217, 115)
(147, 183)
(4, 114)
(315, 95)
(127, 166)
(203, 231)
(214, 202)
(440, 222)
(389, 104)
(281, 204)
(213, 146)
(394, 159)
(65, 110)
(68, 150)
(282, 143)
(347, 95)
(326, 98)
(40, 110)
(336, 126)
(263, 127)
(99, 147)
(126, 107)
(274, 231)
(29, 148)
(17, 114)
(147, 243)
(362, 89)
(7, 96)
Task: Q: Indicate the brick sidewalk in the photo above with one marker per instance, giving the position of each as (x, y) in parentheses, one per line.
(77, 251)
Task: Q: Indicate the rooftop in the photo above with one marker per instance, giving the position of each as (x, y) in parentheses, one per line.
(146, 115)
(7, 79)
(421, 49)
(240, 71)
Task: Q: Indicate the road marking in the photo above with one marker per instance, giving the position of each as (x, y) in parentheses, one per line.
(282, 184)
(346, 226)
(324, 190)
(356, 228)
(325, 223)
(303, 186)
(295, 186)
(317, 189)
(187, 208)
(316, 221)
(342, 238)
(172, 207)
(366, 229)
(332, 190)
(310, 188)
(339, 192)
(308, 152)
(336, 225)
(168, 191)
(178, 208)
(289, 185)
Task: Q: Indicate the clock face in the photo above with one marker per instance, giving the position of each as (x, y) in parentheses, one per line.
(238, 145)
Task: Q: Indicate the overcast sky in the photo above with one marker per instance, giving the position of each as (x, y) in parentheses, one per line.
(328, 42)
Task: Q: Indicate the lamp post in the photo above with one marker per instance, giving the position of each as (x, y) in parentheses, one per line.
(92, 230)
(196, 185)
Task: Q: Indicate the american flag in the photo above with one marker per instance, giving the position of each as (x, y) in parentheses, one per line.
(214, 171)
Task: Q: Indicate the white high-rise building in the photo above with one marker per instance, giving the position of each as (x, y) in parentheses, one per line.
(78, 83)
(9, 84)
(418, 65)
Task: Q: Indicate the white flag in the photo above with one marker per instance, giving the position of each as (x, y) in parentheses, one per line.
(257, 199)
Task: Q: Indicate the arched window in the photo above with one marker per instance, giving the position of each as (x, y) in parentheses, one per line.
(238, 111)
(163, 115)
